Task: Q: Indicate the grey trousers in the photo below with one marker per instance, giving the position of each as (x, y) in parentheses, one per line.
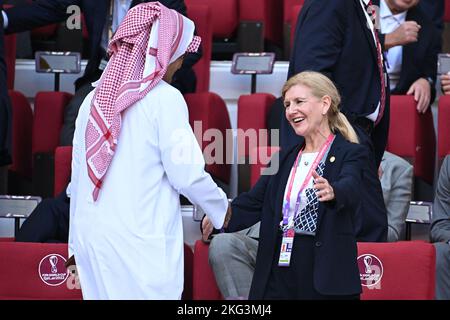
(442, 270)
(232, 257)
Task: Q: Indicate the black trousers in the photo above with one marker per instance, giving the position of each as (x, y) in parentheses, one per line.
(296, 282)
(49, 222)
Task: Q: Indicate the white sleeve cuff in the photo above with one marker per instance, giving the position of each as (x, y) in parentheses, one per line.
(5, 20)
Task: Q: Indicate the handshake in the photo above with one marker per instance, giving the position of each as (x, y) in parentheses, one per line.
(207, 227)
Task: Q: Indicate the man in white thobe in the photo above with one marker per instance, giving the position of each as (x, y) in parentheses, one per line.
(125, 220)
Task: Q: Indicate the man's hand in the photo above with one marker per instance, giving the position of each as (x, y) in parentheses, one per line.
(445, 83)
(208, 227)
(422, 94)
(407, 32)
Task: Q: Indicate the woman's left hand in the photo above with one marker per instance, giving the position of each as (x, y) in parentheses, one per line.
(324, 191)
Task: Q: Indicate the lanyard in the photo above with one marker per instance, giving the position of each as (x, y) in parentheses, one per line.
(287, 202)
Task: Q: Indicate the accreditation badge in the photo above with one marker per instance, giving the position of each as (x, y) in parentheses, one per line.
(286, 248)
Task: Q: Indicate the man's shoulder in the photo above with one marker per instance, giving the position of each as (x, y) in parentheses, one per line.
(393, 161)
(329, 5)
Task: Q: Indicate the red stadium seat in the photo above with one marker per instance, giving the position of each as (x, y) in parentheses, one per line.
(48, 120)
(224, 23)
(295, 13)
(443, 127)
(267, 12)
(10, 59)
(407, 272)
(252, 131)
(45, 31)
(188, 273)
(291, 10)
(287, 9)
(26, 272)
(252, 115)
(63, 165)
(201, 15)
(204, 281)
(22, 123)
(411, 136)
(259, 160)
(447, 11)
(208, 111)
(224, 16)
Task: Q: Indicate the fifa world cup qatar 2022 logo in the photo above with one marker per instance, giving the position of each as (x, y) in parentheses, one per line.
(370, 271)
(52, 270)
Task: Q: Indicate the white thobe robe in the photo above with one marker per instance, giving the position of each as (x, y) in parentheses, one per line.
(129, 243)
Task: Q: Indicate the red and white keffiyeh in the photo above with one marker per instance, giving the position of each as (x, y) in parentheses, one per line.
(150, 37)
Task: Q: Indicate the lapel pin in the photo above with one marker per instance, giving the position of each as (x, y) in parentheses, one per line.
(332, 159)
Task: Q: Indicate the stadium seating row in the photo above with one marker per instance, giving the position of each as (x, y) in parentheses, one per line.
(390, 271)
(411, 134)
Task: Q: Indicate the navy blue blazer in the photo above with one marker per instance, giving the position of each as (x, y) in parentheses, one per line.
(419, 59)
(335, 252)
(332, 37)
(44, 12)
(434, 9)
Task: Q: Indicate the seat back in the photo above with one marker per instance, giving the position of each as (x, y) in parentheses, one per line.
(403, 270)
(35, 271)
(224, 16)
(411, 136)
(291, 10)
(63, 162)
(252, 131)
(201, 15)
(253, 110)
(47, 123)
(395, 271)
(188, 273)
(287, 9)
(293, 22)
(267, 12)
(259, 158)
(22, 123)
(447, 11)
(208, 117)
(443, 127)
(204, 281)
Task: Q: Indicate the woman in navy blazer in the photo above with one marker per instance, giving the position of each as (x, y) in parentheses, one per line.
(323, 259)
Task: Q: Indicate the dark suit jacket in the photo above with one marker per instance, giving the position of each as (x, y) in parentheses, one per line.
(419, 59)
(434, 9)
(43, 12)
(5, 107)
(335, 252)
(332, 37)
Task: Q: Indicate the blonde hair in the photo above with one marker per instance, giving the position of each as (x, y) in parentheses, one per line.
(320, 86)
